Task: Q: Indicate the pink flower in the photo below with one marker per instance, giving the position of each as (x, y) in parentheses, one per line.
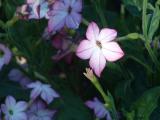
(65, 12)
(99, 47)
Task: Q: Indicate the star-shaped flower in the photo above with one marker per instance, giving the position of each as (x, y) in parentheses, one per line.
(38, 111)
(38, 9)
(99, 109)
(13, 110)
(65, 12)
(99, 47)
(44, 90)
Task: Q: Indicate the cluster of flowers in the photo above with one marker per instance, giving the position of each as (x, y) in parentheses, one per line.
(59, 13)
(36, 109)
(100, 46)
(41, 95)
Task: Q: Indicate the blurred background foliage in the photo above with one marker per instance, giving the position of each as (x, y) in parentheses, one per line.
(132, 81)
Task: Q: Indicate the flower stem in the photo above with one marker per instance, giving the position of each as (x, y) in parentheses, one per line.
(85, 22)
(147, 40)
(100, 89)
(109, 103)
(144, 18)
(30, 103)
(12, 21)
(152, 55)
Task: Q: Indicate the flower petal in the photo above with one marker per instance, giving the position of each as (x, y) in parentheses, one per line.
(21, 106)
(43, 10)
(4, 108)
(10, 101)
(90, 104)
(30, 1)
(76, 5)
(35, 93)
(57, 21)
(112, 51)
(21, 116)
(7, 53)
(73, 20)
(107, 35)
(2, 62)
(48, 94)
(59, 6)
(92, 31)
(85, 49)
(67, 2)
(97, 62)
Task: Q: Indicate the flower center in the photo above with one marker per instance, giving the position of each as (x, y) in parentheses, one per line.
(99, 44)
(10, 112)
(69, 9)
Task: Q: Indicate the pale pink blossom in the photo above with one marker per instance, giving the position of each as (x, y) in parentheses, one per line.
(99, 46)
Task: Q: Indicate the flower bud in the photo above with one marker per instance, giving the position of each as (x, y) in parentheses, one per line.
(133, 36)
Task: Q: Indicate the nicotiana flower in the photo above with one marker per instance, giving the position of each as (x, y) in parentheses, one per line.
(99, 47)
(64, 44)
(38, 111)
(34, 9)
(65, 12)
(13, 110)
(5, 57)
(99, 109)
(44, 90)
(17, 76)
(38, 9)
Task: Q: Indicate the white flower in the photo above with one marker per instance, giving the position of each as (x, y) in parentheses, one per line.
(13, 110)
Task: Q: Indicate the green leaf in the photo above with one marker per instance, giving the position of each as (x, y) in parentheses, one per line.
(145, 105)
(72, 108)
(7, 88)
(136, 3)
(154, 23)
(133, 6)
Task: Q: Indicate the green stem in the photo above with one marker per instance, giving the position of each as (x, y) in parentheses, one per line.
(85, 22)
(108, 102)
(2, 24)
(145, 31)
(100, 89)
(12, 21)
(152, 55)
(144, 18)
(131, 36)
(122, 11)
(123, 38)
